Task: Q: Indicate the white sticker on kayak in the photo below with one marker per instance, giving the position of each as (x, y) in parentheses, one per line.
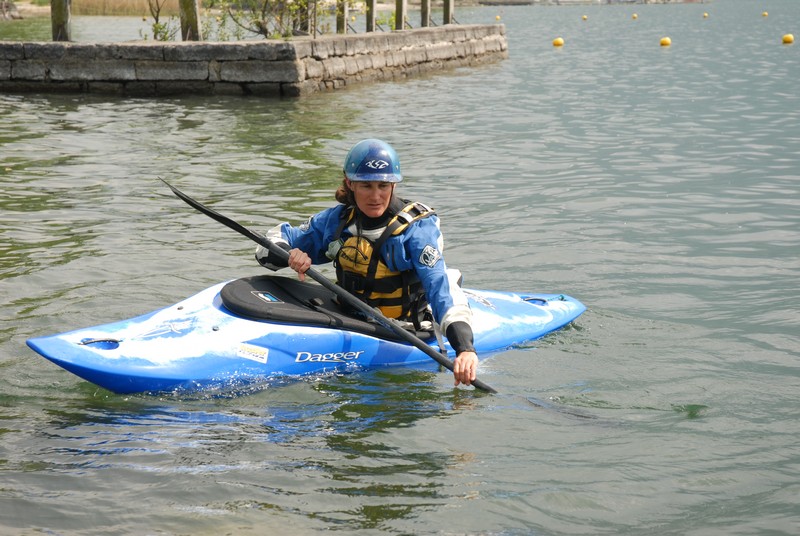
(253, 353)
(266, 296)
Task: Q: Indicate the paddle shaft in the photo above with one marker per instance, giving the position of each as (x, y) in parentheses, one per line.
(344, 295)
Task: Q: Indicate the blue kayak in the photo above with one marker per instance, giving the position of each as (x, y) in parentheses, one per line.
(267, 327)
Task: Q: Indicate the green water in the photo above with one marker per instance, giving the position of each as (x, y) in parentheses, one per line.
(661, 186)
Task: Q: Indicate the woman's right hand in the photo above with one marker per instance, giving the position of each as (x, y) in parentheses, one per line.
(299, 261)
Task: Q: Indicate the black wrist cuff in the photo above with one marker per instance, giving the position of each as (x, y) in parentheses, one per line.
(460, 336)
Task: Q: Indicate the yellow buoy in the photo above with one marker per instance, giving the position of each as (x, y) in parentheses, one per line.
(497, 17)
(705, 15)
(788, 39)
(584, 17)
(353, 18)
(635, 16)
(666, 41)
(558, 42)
(765, 14)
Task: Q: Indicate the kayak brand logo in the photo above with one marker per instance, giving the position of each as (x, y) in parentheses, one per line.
(332, 357)
(478, 298)
(175, 328)
(377, 164)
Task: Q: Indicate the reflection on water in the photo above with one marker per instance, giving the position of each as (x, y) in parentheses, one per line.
(334, 426)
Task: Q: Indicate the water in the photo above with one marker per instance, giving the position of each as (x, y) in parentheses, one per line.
(659, 186)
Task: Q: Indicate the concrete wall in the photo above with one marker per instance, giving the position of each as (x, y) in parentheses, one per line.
(292, 68)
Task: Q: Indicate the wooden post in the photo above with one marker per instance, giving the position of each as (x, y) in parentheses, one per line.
(371, 15)
(400, 14)
(302, 19)
(448, 12)
(341, 16)
(425, 8)
(190, 20)
(60, 19)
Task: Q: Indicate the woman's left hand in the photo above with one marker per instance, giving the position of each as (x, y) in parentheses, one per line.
(465, 368)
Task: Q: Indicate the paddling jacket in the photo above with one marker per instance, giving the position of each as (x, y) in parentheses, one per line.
(398, 268)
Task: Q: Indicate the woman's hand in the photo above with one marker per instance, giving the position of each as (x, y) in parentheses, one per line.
(465, 368)
(299, 261)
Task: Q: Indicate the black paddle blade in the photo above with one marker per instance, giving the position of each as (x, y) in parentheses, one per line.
(224, 220)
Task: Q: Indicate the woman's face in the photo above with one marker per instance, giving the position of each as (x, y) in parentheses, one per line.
(372, 197)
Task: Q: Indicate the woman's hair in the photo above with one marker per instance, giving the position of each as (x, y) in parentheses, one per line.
(344, 194)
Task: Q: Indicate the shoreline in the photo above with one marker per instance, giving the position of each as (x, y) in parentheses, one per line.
(28, 9)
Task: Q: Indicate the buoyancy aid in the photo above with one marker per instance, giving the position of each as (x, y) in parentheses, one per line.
(361, 270)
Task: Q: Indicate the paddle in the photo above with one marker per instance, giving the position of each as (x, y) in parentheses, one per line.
(345, 296)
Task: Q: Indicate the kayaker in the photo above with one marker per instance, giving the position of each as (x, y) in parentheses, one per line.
(386, 250)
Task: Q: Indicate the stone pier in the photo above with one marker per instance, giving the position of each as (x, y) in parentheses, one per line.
(293, 68)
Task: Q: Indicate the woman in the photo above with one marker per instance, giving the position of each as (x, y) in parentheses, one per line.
(387, 251)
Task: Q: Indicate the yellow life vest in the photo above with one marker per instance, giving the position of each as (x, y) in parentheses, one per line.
(361, 270)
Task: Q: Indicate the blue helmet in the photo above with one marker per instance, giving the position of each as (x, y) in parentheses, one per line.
(372, 160)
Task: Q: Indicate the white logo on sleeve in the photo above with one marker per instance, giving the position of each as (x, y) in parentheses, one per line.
(430, 256)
